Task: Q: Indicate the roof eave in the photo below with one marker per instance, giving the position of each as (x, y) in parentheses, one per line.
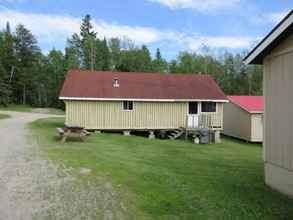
(139, 100)
(257, 54)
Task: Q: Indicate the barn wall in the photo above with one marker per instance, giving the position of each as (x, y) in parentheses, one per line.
(278, 118)
(146, 115)
(237, 122)
(110, 115)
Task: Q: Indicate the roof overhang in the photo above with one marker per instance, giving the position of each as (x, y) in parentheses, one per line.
(255, 112)
(141, 100)
(278, 34)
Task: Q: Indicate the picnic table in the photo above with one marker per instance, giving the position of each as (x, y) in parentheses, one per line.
(71, 130)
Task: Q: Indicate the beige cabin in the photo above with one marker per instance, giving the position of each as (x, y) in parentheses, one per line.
(243, 118)
(111, 115)
(275, 53)
(142, 101)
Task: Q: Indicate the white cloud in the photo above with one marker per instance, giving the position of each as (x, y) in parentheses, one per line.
(199, 5)
(56, 27)
(51, 29)
(143, 35)
(220, 42)
(277, 16)
(197, 42)
(268, 18)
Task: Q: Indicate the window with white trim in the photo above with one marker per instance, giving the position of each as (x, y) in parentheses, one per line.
(128, 105)
(208, 107)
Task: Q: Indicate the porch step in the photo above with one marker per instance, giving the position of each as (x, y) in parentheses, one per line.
(177, 133)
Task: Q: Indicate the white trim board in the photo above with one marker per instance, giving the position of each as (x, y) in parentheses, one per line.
(140, 100)
(270, 39)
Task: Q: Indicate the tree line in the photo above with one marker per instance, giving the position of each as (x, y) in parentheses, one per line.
(28, 76)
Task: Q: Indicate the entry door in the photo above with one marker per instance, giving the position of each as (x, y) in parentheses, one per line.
(192, 117)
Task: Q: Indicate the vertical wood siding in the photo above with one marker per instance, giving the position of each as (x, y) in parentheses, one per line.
(278, 90)
(237, 122)
(146, 115)
(110, 115)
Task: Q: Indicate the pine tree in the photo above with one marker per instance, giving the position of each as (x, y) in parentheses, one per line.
(115, 50)
(26, 53)
(73, 52)
(106, 55)
(88, 39)
(5, 90)
(159, 64)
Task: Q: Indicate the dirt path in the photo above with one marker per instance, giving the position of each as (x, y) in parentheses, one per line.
(34, 188)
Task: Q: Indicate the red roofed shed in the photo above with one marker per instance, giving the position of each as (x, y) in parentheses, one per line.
(243, 117)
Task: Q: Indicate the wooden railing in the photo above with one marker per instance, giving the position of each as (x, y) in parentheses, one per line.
(205, 120)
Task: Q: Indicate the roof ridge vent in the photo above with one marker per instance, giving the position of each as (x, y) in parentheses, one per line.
(116, 83)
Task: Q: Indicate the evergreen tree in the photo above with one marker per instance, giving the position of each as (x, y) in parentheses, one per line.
(73, 52)
(106, 55)
(5, 91)
(114, 50)
(159, 64)
(26, 53)
(88, 42)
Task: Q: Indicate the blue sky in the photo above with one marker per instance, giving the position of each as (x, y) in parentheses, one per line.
(171, 25)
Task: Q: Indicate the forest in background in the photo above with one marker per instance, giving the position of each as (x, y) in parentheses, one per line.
(28, 76)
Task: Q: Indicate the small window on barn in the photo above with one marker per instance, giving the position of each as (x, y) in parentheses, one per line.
(128, 105)
(116, 83)
(208, 106)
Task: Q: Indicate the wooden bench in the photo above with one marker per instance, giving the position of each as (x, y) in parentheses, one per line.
(71, 131)
(60, 131)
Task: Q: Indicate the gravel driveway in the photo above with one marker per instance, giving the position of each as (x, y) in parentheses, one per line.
(33, 188)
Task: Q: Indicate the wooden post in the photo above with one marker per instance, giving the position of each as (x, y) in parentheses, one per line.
(217, 137)
(186, 128)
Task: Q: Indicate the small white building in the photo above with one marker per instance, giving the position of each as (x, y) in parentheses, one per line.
(243, 118)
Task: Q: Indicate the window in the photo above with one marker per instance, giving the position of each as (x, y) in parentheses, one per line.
(192, 109)
(128, 105)
(115, 83)
(208, 106)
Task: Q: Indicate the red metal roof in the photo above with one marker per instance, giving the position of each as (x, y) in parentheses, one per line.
(252, 104)
(99, 85)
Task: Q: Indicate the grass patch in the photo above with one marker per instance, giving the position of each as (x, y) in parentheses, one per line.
(174, 179)
(16, 108)
(27, 108)
(4, 116)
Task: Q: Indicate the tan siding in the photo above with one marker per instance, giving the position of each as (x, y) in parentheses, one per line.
(285, 47)
(256, 127)
(237, 122)
(110, 115)
(278, 88)
(146, 115)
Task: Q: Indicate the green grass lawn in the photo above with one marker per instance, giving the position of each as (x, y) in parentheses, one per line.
(27, 108)
(165, 179)
(4, 116)
(17, 108)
